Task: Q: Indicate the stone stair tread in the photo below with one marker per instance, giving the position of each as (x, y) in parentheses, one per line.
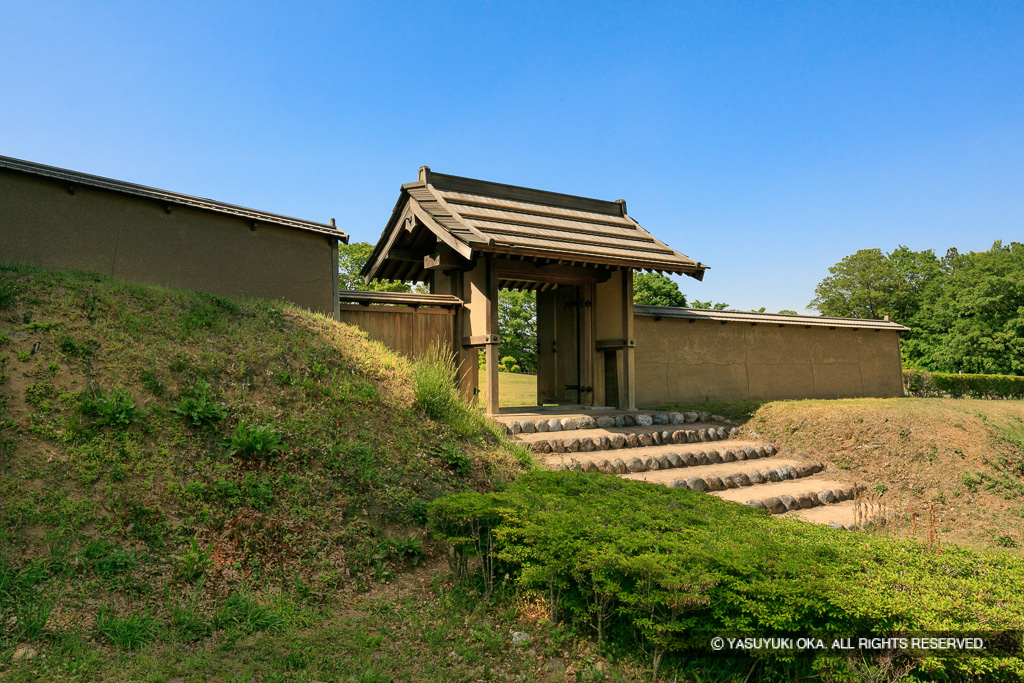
(608, 431)
(789, 487)
(550, 459)
(744, 466)
(840, 513)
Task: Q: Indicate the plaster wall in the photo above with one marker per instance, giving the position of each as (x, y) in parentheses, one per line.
(682, 361)
(136, 239)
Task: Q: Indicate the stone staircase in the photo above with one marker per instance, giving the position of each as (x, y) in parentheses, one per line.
(694, 450)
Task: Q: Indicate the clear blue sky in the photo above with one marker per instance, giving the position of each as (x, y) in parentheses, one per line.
(768, 140)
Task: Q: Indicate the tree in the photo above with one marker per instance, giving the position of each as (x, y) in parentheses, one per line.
(871, 284)
(708, 305)
(351, 259)
(517, 325)
(655, 289)
(977, 322)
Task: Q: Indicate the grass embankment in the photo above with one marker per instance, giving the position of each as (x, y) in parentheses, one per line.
(962, 457)
(179, 471)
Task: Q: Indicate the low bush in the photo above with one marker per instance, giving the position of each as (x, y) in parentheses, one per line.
(667, 568)
(116, 409)
(921, 383)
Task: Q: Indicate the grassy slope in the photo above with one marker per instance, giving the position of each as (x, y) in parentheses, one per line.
(964, 457)
(104, 488)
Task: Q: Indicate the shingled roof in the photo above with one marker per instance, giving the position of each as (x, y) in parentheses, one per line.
(475, 216)
(766, 318)
(168, 197)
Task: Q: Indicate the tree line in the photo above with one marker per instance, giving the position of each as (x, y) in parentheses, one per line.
(965, 310)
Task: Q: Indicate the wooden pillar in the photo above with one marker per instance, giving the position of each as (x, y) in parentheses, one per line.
(491, 358)
(627, 389)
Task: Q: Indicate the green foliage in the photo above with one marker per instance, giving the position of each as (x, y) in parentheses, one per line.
(252, 441)
(508, 364)
(351, 259)
(438, 396)
(921, 383)
(710, 305)
(517, 325)
(655, 289)
(965, 311)
(25, 595)
(129, 632)
(8, 292)
(668, 568)
(453, 456)
(108, 560)
(243, 613)
(116, 409)
(197, 406)
(193, 563)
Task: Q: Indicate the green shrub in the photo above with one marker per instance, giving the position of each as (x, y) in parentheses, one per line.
(453, 456)
(921, 383)
(197, 406)
(128, 632)
(254, 441)
(665, 568)
(508, 364)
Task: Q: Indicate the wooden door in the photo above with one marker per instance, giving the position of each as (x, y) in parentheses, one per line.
(558, 346)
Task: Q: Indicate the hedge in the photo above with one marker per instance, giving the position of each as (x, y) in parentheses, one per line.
(921, 383)
(663, 569)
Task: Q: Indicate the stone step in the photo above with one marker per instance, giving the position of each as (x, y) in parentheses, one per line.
(616, 438)
(715, 476)
(789, 496)
(655, 458)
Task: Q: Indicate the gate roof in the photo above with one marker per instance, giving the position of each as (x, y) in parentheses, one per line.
(476, 216)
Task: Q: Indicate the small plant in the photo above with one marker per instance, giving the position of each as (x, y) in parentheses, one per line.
(245, 614)
(198, 408)
(129, 632)
(193, 563)
(879, 488)
(969, 482)
(152, 383)
(254, 441)
(59, 542)
(73, 347)
(188, 622)
(8, 291)
(24, 356)
(108, 560)
(116, 409)
(454, 458)
(259, 491)
(1006, 542)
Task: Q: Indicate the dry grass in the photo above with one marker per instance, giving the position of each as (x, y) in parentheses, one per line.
(956, 462)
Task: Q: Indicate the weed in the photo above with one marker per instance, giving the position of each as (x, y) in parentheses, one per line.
(254, 441)
(186, 619)
(452, 456)
(23, 356)
(60, 542)
(116, 409)
(197, 406)
(193, 563)
(8, 292)
(152, 383)
(73, 347)
(128, 632)
(244, 613)
(108, 560)
(1005, 542)
(259, 491)
(969, 482)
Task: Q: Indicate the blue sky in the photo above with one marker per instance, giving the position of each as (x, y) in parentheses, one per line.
(768, 140)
